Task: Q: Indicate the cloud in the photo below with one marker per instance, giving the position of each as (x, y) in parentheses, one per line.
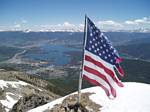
(105, 25)
(20, 25)
(17, 26)
(67, 24)
(81, 25)
(64, 25)
(109, 23)
(24, 21)
(58, 25)
(130, 23)
(140, 23)
(144, 20)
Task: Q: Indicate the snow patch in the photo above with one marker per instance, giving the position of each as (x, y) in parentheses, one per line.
(14, 84)
(8, 102)
(134, 97)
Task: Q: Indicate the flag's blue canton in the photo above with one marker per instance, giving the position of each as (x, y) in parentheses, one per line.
(98, 44)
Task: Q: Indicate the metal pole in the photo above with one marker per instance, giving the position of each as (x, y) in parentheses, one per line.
(80, 86)
(80, 76)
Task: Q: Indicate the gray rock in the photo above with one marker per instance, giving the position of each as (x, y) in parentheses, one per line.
(29, 102)
(70, 104)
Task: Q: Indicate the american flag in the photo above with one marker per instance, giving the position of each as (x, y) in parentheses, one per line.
(100, 60)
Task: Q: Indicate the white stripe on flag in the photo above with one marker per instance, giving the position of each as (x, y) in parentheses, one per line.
(100, 70)
(95, 57)
(98, 79)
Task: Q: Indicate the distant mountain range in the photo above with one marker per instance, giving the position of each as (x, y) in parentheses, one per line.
(23, 38)
(77, 29)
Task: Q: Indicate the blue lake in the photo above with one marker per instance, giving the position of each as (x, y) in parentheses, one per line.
(53, 54)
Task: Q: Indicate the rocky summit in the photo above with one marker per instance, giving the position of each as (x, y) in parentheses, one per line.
(20, 92)
(69, 104)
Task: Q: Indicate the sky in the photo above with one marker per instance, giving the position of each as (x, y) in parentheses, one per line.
(61, 14)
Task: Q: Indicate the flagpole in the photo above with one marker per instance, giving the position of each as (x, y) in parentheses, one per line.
(80, 76)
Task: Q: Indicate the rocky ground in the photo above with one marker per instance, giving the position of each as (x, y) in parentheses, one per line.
(29, 102)
(26, 91)
(69, 104)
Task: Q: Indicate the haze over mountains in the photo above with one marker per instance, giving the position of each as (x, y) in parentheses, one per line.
(78, 29)
(9, 36)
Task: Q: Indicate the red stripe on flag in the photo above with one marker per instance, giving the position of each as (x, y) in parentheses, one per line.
(97, 73)
(120, 70)
(94, 82)
(108, 71)
(118, 60)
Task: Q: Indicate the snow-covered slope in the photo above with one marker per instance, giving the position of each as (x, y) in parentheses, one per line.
(134, 97)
